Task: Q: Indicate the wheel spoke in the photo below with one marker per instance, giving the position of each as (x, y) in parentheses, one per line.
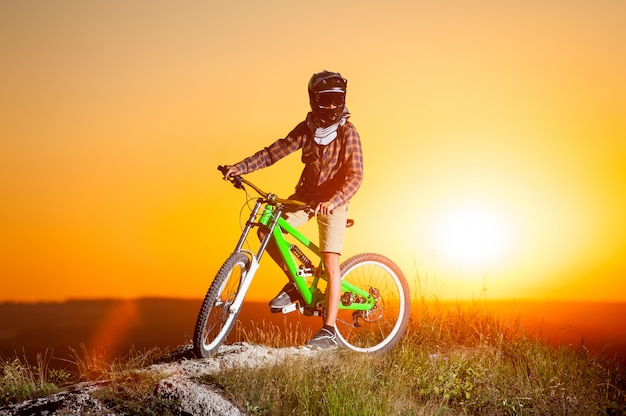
(379, 328)
(217, 317)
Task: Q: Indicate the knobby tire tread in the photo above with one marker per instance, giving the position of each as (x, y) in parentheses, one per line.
(207, 306)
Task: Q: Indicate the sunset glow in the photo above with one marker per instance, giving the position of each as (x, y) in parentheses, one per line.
(473, 234)
(494, 136)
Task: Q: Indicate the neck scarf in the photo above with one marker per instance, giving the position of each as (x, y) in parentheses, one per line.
(325, 135)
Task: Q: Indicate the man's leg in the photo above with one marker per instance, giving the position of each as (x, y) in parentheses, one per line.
(333, 290)
(326, 337)
(332, 229)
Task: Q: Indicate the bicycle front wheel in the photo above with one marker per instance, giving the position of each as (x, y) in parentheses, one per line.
(380, 328)
(217, 317)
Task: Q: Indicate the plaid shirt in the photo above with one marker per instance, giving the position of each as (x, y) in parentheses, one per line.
(333, 172)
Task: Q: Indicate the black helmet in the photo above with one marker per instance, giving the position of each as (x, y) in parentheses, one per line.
(327, 95)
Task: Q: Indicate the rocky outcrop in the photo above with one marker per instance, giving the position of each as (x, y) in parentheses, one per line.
(75, 401)
(194, 398)
(178, 384)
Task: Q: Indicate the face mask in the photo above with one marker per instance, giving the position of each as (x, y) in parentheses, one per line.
(325, 135)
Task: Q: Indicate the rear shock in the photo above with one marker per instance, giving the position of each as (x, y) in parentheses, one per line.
(307, 266)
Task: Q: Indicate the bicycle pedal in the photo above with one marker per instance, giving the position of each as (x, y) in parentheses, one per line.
(290, 308)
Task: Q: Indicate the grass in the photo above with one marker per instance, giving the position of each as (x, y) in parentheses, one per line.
(133, 393)
(127, 389)
(124, 388)
(19, 380)
(272, 335)
(453, 360)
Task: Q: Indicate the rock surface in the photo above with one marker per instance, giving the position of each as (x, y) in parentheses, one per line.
(195, 398)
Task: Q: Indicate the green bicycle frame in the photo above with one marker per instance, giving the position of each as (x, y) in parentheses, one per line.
(278, 227)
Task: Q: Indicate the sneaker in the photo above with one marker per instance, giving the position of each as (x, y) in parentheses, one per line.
(323, 340)
(288, 295)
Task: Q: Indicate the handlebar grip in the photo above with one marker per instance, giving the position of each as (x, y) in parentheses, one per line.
(235, 180)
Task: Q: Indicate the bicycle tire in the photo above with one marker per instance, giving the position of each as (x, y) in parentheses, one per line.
(216, 319)
(377, 330)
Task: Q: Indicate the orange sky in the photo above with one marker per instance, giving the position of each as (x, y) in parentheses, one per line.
(494, 136)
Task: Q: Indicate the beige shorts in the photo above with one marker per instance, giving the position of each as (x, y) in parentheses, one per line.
(332, 228)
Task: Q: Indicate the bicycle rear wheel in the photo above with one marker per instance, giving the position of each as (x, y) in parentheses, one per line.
(380, 328)
(216, 317)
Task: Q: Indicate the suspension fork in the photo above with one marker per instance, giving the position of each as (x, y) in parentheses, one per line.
(249, 224)
(254, 260)
(269, 214)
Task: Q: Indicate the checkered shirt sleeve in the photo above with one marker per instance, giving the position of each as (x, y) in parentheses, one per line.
(334, 159)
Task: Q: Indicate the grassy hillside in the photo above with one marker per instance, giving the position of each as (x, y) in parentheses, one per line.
(454, 359)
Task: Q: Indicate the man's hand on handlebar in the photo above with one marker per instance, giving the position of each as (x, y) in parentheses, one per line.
(229, 171)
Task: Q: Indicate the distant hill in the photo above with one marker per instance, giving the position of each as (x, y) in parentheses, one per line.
(115, 326)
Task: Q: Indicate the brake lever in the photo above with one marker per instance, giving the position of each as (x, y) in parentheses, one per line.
(235, 179)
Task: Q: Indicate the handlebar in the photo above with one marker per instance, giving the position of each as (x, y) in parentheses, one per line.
(238, 181)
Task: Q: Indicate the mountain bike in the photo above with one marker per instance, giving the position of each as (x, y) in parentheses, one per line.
(375, 303)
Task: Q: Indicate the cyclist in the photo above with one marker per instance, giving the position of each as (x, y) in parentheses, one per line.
(332, 174)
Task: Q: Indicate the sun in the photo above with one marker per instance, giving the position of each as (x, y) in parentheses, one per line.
(472, 234)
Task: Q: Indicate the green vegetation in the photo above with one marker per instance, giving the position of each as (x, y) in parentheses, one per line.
(125, 389)
(453, 360)
(21, 381)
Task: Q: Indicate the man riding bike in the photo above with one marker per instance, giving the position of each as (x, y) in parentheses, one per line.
(332, 174)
